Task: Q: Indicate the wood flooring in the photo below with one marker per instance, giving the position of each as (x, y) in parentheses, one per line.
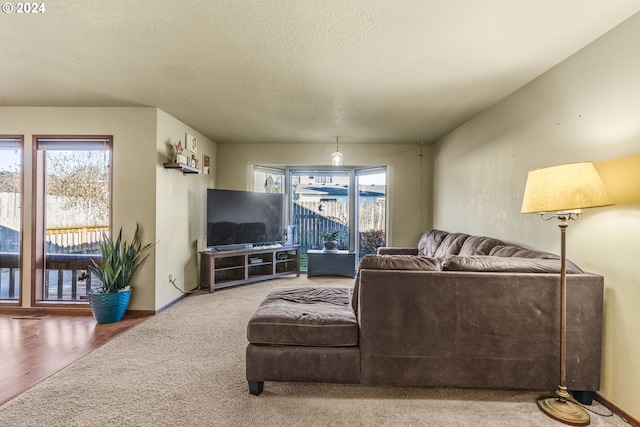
(33, 347)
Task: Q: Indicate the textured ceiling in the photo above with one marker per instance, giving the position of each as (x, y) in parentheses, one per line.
(295, 70)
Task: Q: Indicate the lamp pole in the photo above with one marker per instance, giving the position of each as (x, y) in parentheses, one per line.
(561, 408)
(562, 392)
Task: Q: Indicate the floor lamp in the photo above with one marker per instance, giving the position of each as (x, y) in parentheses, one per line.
(561, 192)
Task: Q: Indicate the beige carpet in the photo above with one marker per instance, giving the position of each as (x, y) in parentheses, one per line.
(185, 367)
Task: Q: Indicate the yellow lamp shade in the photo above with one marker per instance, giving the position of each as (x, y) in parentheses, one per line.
(565, 187)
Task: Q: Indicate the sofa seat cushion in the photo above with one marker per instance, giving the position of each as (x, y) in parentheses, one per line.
(516, 251)
(399, 262)
(497, 264)
(305, 316)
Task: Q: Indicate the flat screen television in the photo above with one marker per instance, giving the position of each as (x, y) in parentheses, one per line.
(244, 218)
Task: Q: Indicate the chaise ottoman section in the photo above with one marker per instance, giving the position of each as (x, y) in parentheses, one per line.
(307, 316)
(303, 334)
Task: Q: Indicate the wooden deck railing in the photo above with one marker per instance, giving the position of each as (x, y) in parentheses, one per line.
(9, 275)
(63, 265)
(62, 273)
(61, 279)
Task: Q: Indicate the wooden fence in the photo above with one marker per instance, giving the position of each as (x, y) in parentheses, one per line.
(371, 215)
(74, 240)
(59, 214)
(310, 219)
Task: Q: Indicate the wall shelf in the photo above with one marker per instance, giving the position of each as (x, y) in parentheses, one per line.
(181, 167)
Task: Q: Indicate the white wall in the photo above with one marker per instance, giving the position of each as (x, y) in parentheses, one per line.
(407, 178)
(586, 108)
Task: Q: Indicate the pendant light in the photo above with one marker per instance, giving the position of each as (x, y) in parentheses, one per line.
(336, 157)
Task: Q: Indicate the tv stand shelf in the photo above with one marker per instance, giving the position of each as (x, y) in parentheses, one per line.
(221, 269)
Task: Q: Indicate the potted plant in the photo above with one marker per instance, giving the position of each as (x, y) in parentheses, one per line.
(330, 240)
(120, 261)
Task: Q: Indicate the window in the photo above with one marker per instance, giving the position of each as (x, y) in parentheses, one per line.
(73, 210)
(323, 199)
(268, 180)
(10, 217)
(371, 210)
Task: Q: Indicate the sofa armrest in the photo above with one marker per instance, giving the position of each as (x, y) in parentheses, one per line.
(388, 250)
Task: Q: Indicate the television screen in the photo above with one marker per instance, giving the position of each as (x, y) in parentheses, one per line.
(244, 217)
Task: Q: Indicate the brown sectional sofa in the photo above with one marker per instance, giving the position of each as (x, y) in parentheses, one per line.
(458, 311)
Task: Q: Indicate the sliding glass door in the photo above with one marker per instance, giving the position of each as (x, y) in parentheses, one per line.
(320, 203)
(73, 207)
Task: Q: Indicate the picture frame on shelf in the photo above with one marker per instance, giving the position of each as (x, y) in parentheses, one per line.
(181, 158)
(191, 143)
(205, 164)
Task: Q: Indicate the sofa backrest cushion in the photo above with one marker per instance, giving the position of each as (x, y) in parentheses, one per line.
(400, 262)
(479, 245)
(496, 264)
(516, 251)
(429, 242)
(505, 250)
(451, 245)
(393, 262)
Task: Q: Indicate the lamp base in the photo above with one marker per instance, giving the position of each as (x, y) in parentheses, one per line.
(564, 411)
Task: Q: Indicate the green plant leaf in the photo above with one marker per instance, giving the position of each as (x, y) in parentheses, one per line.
(120, 261)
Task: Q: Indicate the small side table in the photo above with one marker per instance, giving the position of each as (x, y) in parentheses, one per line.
(341, 263)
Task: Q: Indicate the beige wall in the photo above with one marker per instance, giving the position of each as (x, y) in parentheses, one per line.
(586, 108)
(165, 203)
(407, 178)
(180, 211)
(133, 165)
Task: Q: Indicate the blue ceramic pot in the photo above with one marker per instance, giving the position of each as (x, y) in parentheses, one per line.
(109, 308)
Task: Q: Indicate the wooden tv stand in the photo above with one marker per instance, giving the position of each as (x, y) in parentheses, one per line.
(221, 269)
